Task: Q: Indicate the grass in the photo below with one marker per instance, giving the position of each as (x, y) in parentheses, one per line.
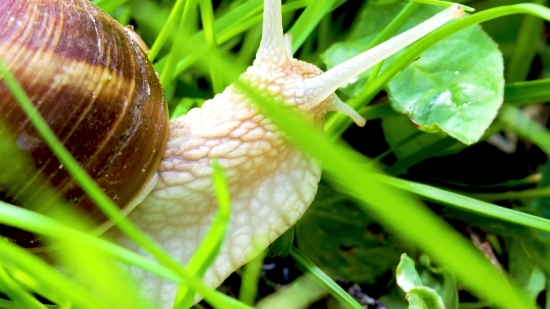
(185, 55)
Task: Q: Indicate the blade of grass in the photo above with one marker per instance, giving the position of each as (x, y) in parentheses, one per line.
(308, 20)
(19, 294)
(99, 274)
(437, 148)
(525, 47)
(467, 203)
(323, 279)
(443, 146)
(511, 195)
(390, 30)
(181, 37)
(42, 225)
(49, 276)
(516, 121)
(214, 59)
(167, 28)
(444, 4)
(9, 304)
(251, 41)
(522, 93)
(249, 279)
(210, 246)
(300, 293)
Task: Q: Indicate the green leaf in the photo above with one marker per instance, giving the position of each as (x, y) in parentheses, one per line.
(456, 86)
(441, 280)
(354, 247)
(406, 275)
(419, 296)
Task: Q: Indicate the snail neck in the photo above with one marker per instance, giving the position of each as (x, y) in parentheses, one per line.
(271, 185)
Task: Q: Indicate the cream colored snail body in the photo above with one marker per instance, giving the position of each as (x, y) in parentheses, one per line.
(271, 182)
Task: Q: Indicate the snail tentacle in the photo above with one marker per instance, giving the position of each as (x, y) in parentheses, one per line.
(321, 87)
(272, 50)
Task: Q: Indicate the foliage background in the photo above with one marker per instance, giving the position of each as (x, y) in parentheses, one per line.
(418, 183)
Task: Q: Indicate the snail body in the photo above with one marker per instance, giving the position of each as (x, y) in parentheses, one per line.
(271, 181)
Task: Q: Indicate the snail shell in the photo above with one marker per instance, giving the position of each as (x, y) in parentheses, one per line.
(99, 94)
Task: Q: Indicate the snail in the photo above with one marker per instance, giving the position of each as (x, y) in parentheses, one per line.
(171, 198)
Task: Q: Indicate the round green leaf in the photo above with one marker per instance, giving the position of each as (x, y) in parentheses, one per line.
(456, 86)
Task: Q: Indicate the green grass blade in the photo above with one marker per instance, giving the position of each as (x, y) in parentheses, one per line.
(101, 275)
(167, 74)
(467, 203)
(167, 29)
(307, 21)
(303, 292)
(42, 225)
(21, 297)
(249, 279)
(525, 47)
(323, 280)
(516, 121)
(511, 195)
(444, 4)
(214, 59)
(9, 304)
(522, 93)
(49, 276)
(210, 246)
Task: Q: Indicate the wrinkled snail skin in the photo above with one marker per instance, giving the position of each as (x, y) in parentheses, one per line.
(271, 182)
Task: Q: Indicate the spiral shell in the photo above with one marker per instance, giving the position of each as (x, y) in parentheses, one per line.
(97, 91)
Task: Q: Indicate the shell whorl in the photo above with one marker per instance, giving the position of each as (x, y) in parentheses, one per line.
(97, 91)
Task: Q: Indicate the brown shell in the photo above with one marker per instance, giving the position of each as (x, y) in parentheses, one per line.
(97, 91)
